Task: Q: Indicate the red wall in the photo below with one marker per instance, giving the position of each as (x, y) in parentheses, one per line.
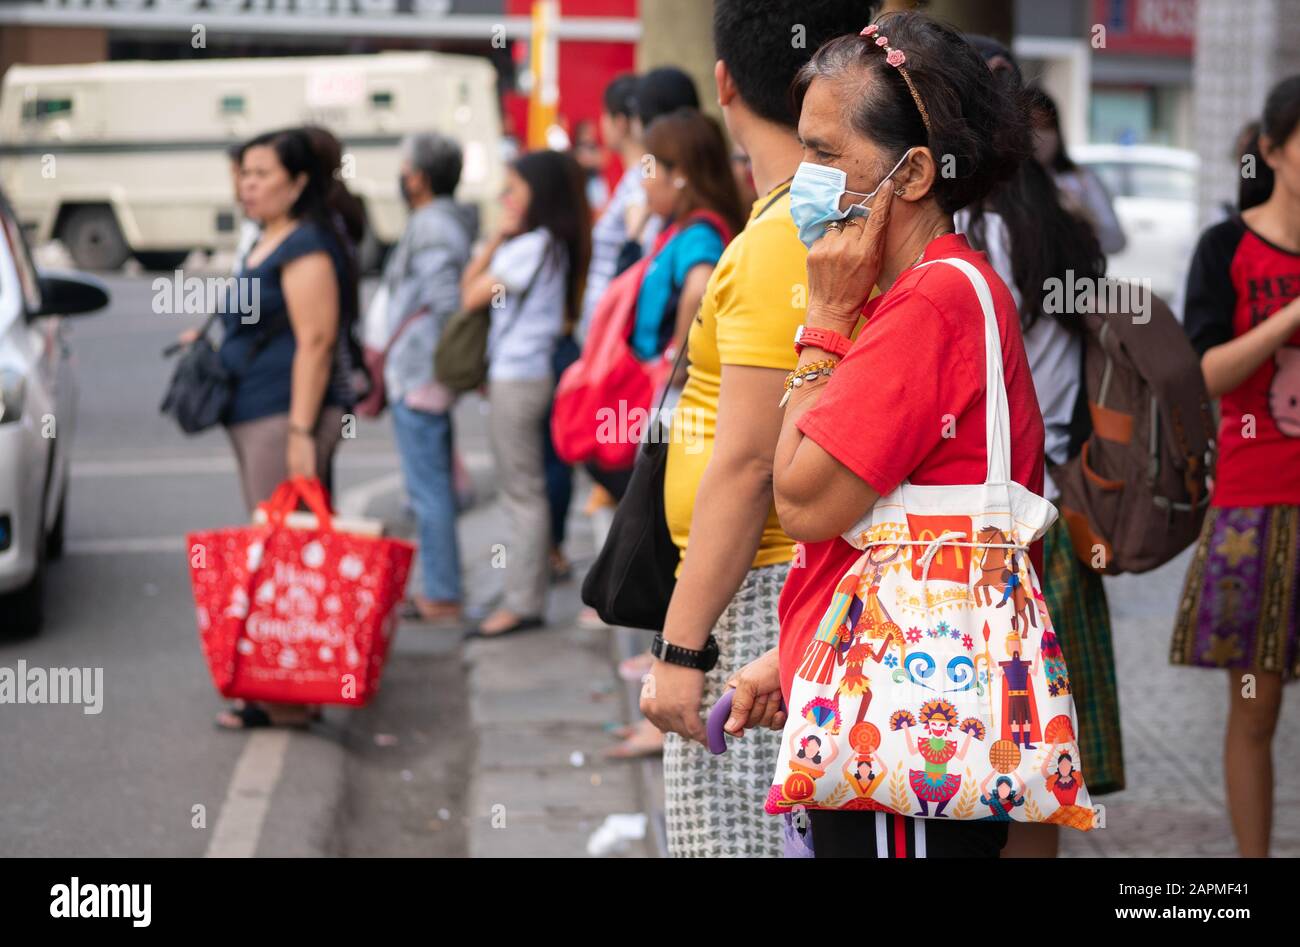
(585, 67)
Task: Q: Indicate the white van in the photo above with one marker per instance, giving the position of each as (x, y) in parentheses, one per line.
(122, 158)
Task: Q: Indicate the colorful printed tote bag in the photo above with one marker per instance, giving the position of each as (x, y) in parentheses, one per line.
(935, 686)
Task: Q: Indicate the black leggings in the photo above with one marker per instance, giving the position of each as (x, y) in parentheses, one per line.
(840, 834)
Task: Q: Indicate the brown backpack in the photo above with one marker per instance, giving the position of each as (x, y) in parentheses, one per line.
(1135, 495)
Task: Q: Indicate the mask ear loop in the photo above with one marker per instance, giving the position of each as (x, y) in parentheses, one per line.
(861, 207)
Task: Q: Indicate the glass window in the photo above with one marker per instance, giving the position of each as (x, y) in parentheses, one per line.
(381, 100)
(41, 109)
(1162, 182)
(232, 105)
(1112, 176)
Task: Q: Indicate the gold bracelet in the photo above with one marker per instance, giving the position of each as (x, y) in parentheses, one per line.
(807, 374)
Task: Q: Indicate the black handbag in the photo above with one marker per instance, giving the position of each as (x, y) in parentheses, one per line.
(632, 580)
(201, 386)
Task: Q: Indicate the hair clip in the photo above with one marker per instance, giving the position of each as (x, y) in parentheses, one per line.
(897, 59)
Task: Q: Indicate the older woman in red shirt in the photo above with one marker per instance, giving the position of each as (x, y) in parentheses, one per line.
(907, 400)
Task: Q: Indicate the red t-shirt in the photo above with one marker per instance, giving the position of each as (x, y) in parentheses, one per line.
(907, 403)
(1237, 280)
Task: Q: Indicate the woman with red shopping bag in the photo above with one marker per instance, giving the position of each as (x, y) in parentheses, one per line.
(285, 413)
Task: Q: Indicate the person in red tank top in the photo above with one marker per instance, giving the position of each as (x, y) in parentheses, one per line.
(907, 400)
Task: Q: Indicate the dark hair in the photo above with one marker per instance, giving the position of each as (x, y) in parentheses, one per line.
(1256, 189)
(661, 91)
(558, 202)
(1281, 117)
(1040, 103)
(620, 95)
(999, 59)
(693, 142)
(348, 207)
(757, 41)
(972, 121)
(1044, 238)
(320, 201)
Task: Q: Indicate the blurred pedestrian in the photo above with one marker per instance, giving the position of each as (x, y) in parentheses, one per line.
(1256, 177)
(691, 179)
(422, 282)
(533, 267)
(657, 93)
(1083, 189)
(1031, 238)
(718, 484)
(878, 421)
(1238, 607)
(286, 410)
(590, 155)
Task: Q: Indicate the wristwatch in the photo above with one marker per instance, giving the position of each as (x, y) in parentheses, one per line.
(828, 340)
(703, 660)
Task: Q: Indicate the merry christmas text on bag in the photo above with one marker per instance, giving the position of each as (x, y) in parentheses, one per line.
(296, 615)
(935, 686)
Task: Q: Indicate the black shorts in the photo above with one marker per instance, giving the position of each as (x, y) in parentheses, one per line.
(838, 834)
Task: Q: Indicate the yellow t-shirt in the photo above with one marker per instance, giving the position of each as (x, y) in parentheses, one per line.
(755, 299)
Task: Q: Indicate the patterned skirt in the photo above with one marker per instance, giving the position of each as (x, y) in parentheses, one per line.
(1076, 600)
(714, 804)
(1238, 608)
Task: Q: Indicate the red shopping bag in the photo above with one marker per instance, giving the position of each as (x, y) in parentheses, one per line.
(294, 615)
(602, 401)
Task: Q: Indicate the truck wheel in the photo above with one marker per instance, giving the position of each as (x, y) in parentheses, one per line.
(93, 239)
(163, 261)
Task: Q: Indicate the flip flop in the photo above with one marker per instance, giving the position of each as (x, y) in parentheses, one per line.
(523, 624)
(252, 717)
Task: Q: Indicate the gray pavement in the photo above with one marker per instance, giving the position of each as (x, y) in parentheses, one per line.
(488, 749)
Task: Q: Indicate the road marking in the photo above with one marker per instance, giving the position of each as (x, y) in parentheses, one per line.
(125, 544)
(248, 797)
(355, 501)
(189, 465)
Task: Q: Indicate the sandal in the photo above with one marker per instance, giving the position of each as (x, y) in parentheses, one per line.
(254, 716)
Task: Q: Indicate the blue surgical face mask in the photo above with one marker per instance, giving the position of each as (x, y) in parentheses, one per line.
(815, 194)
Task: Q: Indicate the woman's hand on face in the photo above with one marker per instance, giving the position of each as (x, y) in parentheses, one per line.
(757, 702)
(843, 267)
(300, 456)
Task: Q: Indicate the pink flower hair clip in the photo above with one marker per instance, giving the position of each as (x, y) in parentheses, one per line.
(897, 59)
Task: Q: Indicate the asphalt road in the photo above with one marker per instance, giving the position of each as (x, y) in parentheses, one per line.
(150, 775)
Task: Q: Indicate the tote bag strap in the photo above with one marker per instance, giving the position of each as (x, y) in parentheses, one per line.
(997, 420)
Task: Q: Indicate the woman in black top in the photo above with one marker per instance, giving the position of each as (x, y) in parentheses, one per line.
(285, 416)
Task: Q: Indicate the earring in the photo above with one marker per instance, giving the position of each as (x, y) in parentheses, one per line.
(898, 191)
(679, 183)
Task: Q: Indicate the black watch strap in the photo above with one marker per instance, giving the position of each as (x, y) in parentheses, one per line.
(702, 660)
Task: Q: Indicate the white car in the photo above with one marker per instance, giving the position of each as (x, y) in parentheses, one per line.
(1154, 192)
(37, 400)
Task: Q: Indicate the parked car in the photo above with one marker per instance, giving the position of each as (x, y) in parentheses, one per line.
(1154, 192)
(37, 419)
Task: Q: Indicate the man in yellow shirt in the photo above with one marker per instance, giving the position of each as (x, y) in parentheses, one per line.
(718, 486)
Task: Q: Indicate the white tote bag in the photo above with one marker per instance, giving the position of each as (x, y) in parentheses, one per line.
(935, 686)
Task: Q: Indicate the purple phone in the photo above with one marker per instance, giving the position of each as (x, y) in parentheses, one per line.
(717, 718)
